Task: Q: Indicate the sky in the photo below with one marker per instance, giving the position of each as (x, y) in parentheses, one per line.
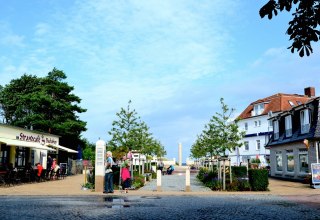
(174, 59)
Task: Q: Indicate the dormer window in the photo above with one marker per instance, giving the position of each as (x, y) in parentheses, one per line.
(305, 121)
(299, 103)
(288, 124)
(258, 109)
(276, 130)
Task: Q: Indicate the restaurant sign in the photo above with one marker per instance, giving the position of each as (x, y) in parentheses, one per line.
(41, 139)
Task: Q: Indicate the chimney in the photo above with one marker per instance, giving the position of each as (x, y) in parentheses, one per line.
(310, 91)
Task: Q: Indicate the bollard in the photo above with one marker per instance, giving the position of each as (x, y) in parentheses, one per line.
(159, 174)
(188, 189)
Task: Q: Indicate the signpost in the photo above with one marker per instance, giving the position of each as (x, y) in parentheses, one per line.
(315, 175)
(99, 167)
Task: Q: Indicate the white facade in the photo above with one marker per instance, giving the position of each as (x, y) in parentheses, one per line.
(257, 129)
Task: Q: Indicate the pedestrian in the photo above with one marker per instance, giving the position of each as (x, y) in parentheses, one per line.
(160, 166)
(125, 174)
(108, 178)
(49, 165)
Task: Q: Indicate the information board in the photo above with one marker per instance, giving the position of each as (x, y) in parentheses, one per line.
(315, 174)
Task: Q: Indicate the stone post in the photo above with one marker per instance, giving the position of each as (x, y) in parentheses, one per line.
(188, 189)
(159, 174)
(99, 165)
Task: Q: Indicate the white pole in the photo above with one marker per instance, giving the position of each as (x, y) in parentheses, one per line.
(159, 180)
(188, 180)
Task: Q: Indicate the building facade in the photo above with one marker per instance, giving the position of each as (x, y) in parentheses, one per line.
(20, 146)
(294, 144)
(254, 121)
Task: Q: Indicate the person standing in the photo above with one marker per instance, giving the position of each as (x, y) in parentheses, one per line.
(160, 166)
(108, 178)
(125, 174)
(49, 165)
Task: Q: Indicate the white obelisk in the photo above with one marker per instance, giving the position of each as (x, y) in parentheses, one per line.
(180, 154)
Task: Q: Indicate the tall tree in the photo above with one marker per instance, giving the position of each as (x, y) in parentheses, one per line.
(219, 135)
(45, 104)
(304, 27)
(130, 132)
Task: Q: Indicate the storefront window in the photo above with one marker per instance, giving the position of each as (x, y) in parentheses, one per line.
(303, 161)
(290, 161)
(279, 161)
(21, 155)
(4, 156)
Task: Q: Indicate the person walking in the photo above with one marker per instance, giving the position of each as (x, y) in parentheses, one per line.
(108, 178)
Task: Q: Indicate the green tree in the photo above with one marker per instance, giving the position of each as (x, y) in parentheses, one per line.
(45, 104)
(130, 132)
(88, 151)
(219, 135)
(304, 27)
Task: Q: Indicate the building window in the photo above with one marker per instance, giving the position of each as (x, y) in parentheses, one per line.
(246, 126)
(21, 155)
(258, 109)
(276, 130)
(270, 123)
(278, 161)
(290, 161)
(246, 145)
(305, 121)
(258, 145)
(4, 157)
(291, 103)
(303, 161)
(288, 124)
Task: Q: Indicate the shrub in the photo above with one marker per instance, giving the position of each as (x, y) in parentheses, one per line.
(239, 172)
(214, 184)
(138, 181)
(206, 175)
(258, 179)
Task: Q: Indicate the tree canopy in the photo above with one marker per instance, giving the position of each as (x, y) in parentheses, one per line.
(219, 135)
(304, 27)
(130, 132)
(44, 104)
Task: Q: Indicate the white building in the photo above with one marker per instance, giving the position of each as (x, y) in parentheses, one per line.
(254, 121)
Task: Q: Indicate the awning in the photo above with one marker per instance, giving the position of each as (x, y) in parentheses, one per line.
(62, 148)
(18, 143)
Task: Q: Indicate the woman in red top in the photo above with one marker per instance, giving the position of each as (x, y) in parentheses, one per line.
(125, 174)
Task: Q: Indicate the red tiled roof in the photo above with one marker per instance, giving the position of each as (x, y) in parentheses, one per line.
(275, 103)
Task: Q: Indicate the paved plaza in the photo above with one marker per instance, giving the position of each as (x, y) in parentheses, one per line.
(65, 199)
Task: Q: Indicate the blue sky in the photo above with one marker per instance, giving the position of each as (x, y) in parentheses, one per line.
(174, 59)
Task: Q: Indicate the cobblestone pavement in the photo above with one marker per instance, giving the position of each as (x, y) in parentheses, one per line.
(154, 207)
(65, 199)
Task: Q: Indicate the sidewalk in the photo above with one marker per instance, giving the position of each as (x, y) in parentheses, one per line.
(171, 185)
